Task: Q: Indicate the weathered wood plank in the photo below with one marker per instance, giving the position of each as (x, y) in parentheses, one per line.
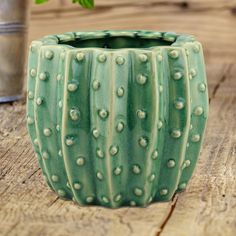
(28, 207)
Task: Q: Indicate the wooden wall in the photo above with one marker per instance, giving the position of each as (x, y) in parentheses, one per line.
(213, 22)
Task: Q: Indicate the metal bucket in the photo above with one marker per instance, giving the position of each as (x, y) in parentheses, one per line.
(13, 42)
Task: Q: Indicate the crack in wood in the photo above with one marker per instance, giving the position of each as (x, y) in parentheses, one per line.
(8, 149)
(53, 202)
(12, 228)
(127, 224)
(170, 213)
(221, 81)
(31, 175)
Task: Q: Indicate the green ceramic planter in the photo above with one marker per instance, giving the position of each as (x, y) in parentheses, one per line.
(117, 118)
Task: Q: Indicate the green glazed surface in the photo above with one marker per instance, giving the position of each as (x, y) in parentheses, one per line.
(117, 118)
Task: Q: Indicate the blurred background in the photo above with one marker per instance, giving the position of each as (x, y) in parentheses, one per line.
(213, 22)
(21, 21)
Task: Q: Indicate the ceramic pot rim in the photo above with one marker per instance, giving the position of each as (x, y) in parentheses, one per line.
(174, 39)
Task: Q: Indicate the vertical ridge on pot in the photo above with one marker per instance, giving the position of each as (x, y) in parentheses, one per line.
(111, 146)
(199, 110)
(142, 117)
(151, 167)
(31, 121)
(59, 77)
(108, 104)
(75, 137)
(178, 123)
(45, 109)
(160, 127)
(101, 105)
(97, 84)
(137, 80)
(39, 120)
(117, 148)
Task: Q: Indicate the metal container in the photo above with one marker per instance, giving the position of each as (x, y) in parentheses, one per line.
(13, 41)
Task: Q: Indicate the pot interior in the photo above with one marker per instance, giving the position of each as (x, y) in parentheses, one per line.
(118, 42)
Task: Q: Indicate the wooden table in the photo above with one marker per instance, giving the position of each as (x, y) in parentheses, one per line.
(207, 207)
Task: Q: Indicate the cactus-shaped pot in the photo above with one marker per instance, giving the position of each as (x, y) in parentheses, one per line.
(117, 118)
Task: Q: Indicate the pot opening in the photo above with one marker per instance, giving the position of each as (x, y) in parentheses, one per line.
(118, 42)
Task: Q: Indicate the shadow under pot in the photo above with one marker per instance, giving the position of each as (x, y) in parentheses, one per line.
(117, 118)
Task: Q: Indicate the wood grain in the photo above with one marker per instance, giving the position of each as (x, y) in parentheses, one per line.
(28, 207)
(197, 4)
(206, 208)
(212, 22)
